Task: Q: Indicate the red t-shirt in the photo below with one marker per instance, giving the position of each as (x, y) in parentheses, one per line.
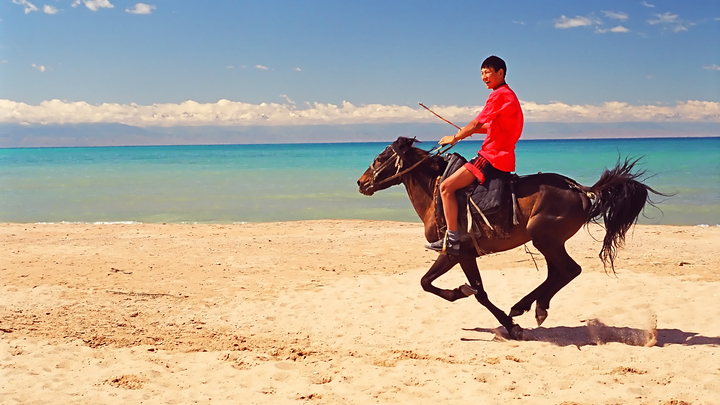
(504, 117)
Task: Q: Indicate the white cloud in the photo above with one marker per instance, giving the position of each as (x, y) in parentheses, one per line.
(518, 22)
(565, 22)
(618, 29)
(298, 70)
(665, 18)
(687, 111)
(672, 20)
(141, 8)
(616, 16)
(96, 5)
(712, 67)
(29, 7)
(646, 4)
(75, 3)
(231, 113)
(288, 99)
(261, 67)
(49, 9)
(41, 68)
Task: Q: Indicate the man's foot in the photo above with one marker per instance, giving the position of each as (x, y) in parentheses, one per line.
(445, 245)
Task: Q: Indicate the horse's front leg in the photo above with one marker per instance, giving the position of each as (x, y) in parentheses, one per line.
(470, 268)
(441, 266)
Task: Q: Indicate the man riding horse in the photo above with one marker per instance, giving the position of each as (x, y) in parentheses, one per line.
(502, 120)
(547, 208)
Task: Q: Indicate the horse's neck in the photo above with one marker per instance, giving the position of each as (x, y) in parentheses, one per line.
(420, 189)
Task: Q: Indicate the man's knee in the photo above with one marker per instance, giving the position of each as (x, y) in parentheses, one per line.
(456, 182)
(446, 188)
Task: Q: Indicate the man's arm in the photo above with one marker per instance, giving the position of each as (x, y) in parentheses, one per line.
(474, 127)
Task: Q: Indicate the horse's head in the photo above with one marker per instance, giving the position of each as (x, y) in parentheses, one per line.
(397, 159)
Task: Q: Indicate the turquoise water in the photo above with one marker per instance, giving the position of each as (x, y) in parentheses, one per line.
(260, 183)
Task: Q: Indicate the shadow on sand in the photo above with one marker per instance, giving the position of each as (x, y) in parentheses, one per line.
(597, 333)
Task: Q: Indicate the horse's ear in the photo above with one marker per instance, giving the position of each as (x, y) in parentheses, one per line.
(404, 142)
(402, 145)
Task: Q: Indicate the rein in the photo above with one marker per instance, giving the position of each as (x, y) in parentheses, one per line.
(439, 150)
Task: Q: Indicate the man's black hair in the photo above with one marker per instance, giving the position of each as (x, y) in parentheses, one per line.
(495, 63)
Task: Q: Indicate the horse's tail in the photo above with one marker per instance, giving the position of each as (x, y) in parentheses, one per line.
(619, 199)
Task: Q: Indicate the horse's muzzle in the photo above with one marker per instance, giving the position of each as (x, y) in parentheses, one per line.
(365, 187)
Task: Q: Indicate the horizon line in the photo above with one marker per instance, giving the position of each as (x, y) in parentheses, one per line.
(361, 142)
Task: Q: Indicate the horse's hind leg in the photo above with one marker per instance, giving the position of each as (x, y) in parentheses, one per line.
(525, 303)
(561, 270)
(470, 268)
(548, 234)
(566, 269)
(441, 266)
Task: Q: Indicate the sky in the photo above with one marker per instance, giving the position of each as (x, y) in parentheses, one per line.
(184, 63)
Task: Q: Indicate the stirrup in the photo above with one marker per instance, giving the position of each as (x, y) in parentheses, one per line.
(445, 245)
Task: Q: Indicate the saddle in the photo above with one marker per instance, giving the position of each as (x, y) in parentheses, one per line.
(484, 210)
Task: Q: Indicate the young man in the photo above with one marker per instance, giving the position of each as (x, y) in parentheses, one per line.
(502, 120)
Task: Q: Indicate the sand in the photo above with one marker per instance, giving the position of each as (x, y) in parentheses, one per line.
(332, 312)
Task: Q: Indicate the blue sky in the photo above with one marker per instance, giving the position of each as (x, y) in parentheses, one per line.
(351, 62)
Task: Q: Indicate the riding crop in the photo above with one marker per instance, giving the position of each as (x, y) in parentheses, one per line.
(440, 149)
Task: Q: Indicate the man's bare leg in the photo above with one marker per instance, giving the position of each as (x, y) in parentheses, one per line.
(461, 178)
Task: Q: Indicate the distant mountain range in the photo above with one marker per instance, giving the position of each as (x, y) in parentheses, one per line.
(18, 136)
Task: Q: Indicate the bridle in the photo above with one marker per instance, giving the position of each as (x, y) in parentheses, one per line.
(439, 150)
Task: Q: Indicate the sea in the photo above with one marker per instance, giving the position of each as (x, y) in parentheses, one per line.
(291, 182)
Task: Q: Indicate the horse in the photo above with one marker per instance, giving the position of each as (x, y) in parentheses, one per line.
(550, 209)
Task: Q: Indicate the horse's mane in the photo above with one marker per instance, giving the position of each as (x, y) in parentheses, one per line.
(406, 149)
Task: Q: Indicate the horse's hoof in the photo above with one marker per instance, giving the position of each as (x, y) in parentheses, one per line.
(515, 312)
(467, 290)
(540, 315)
(516, 332)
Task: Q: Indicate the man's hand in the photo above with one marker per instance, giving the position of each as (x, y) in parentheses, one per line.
(473, 127)
(450, 139)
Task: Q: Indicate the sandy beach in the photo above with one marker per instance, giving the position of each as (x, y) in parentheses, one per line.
(332, 312)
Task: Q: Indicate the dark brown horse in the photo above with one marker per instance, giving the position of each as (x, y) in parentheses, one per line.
(551, 208)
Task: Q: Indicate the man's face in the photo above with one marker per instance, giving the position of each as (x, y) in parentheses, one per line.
(492, 78)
